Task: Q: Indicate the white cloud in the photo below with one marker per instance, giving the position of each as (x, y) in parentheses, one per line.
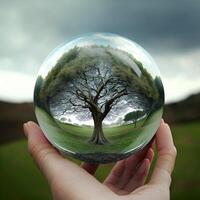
(179, 88)
(27, 35)
(180, 73)
(16, 87)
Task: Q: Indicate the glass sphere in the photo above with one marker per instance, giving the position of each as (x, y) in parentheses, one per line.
(99, 98)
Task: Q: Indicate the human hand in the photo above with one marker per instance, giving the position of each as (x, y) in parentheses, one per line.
(126, 180)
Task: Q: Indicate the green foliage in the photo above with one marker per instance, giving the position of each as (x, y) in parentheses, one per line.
(59, 73)
(159, 86)
(37, 97)
(133, 116)
(145, 83)
(71, 63)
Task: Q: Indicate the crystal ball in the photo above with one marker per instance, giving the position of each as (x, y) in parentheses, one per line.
(99, 98)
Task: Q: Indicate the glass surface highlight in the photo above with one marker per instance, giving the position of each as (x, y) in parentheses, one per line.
(99, 98)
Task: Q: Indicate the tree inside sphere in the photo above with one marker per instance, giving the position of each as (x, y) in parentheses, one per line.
(99, 97)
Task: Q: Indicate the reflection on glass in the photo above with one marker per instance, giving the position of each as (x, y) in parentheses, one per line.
(99, 98)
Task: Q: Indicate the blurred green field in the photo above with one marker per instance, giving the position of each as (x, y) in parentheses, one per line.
(21, 180)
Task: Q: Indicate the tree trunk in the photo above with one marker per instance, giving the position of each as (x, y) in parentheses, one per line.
(98, 135)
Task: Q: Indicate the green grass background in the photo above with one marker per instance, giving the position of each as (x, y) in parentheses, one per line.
(21, 180)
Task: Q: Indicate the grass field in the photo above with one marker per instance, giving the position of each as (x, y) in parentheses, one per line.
(73, 138)
(21, 180)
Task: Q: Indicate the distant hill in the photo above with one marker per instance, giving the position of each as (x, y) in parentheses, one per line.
(13, 115)
(183, 111)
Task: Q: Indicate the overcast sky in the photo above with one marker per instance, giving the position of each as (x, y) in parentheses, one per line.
(168, 30)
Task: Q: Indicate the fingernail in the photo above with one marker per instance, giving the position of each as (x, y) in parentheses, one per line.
(151, 154)
(25, 129)
(162, 121)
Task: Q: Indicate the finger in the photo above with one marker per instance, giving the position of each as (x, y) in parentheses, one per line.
(131, 166)
(61, 173)
(166, 156)
(90, 167)
(124, 170)
(115, 174)
(139, 177)
(40, 149)
(150, 154)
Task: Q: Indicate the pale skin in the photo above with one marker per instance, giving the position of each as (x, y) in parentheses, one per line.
(126, 180)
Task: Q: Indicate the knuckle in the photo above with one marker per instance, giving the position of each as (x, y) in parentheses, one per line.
(171, 153)
(37, 150)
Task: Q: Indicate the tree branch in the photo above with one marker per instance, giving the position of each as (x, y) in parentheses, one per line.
(80, 105)
(100, 88)
(109, 103)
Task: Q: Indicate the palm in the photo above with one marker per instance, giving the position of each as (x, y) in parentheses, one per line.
(126, 179)
(127, 174)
